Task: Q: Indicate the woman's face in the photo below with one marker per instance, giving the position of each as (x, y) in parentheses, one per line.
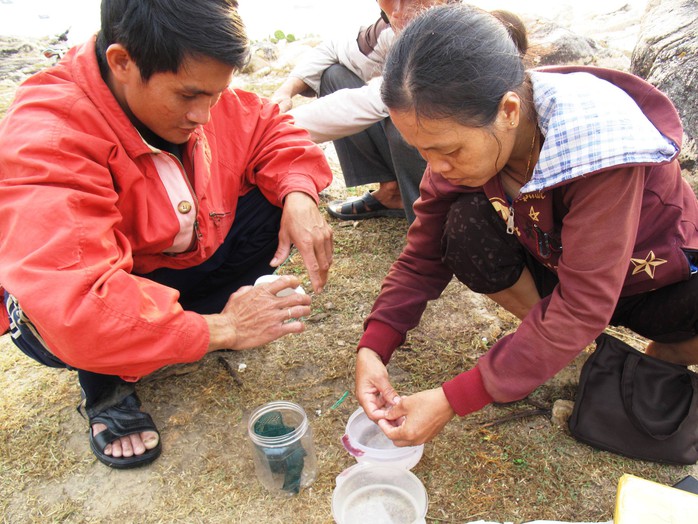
(401, 12)
(465, 156)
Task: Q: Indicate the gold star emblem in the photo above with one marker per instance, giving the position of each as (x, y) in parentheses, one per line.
(647, 265)
(533, 214)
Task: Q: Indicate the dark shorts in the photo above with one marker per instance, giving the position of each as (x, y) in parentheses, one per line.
(484, 257)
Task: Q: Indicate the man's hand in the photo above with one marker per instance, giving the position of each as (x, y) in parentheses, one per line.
(418, 418)
(284, 102)
(303, 226)
(283, 96)
(255, 316)
(373, 389)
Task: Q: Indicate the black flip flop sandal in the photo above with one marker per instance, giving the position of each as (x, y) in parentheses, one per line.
(361, 208)
(121, 420)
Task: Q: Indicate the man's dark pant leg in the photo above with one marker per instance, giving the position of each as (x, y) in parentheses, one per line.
(100, 391)
(365, 157)
(408, 165)
(377, 154)
(239, 261)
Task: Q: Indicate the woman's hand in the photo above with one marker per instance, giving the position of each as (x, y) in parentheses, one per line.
(419, 418)
(373, 389)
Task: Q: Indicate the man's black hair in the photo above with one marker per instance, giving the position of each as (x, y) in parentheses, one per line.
(160, 34)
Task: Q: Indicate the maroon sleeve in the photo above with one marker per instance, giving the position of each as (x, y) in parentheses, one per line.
(416, 277)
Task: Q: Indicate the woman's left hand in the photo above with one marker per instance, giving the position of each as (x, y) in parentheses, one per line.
(421, 417)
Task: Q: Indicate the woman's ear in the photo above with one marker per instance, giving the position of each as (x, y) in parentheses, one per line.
(509, 110)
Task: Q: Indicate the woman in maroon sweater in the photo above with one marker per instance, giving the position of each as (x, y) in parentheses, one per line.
(556, 192)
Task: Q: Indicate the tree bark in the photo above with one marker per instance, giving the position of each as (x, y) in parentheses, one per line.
(666, 55)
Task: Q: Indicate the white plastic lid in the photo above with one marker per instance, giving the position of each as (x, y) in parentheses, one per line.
(265, 279)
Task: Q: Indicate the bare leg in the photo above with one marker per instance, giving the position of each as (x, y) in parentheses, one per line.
(388, 194)
(684, 353)
(520, 298)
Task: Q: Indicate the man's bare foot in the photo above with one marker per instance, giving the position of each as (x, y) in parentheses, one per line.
(130, 445)
(123, 437)
(388, 194)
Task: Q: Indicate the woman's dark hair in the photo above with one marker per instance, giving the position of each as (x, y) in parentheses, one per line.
(515, 27)
(160, 34)
(455, 61)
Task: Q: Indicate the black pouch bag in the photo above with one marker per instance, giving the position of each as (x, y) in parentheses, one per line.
(636, 405)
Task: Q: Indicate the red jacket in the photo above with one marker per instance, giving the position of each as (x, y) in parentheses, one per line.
(86, 203)
(608, 223)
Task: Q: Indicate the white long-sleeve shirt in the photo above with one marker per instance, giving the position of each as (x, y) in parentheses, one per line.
(347, 111)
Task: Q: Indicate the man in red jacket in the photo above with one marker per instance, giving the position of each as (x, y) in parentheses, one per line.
(141, 199)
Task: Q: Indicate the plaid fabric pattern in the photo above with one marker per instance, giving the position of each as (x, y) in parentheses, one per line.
(589, 124)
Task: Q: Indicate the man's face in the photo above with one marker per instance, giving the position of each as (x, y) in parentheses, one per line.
(401, 12)
(173, 105)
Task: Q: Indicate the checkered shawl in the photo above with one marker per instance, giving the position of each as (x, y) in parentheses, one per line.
(589, 124)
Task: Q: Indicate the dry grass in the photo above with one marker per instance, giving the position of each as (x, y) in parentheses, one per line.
(515, 471)
(524, 469)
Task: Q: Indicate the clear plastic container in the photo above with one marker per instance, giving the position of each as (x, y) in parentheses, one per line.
(379, 494)
(366, 442)
(282, 447)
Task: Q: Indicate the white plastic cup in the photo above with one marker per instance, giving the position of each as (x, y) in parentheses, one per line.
(379, 494)
(282, 447)
(265, 279)
(366, 442)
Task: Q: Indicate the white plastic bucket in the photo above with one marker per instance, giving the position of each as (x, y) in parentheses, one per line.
(367, 443)
(379, 494)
